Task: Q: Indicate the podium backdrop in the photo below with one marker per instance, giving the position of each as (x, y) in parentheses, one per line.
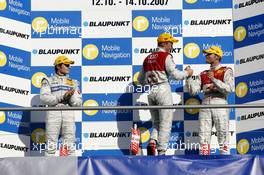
(108, 40)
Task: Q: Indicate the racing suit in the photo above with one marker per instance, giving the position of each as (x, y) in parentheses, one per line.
(157, 68)
(215, 92)
(52, 94)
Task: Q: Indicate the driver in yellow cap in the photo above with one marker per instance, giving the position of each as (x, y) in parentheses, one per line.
(216, 83)
(156, 70)
(57, 91)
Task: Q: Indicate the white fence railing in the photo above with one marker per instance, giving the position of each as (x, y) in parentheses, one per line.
(259, 105)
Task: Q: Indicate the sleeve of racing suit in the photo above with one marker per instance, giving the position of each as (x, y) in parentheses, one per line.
(228, 85)
(46, 97)
(173, 71)
(193, 86)
(141, 76)
(76, 98)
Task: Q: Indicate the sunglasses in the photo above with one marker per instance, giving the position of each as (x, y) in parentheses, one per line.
(67, 65)
(209, 54)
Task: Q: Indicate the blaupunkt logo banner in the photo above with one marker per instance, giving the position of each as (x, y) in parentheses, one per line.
(107, 79)
(103, 136)
(51, 24)
(14, 62)
(151, 23)
(18, 10)
(206, 4)
(247, 3)
(193, 49)
(254, 115)
(112, 51)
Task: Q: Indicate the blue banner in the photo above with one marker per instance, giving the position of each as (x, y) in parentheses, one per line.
(249, 87)
(251, 142)
(151, 23)
(167, 165)
(38, 141)
(249, 31)
(193, 49)
(107, 51)
(39, 72)
(53, 24)
(14, 121)
(15, 62)
(206, 4)
(107, 100)
(19, 10)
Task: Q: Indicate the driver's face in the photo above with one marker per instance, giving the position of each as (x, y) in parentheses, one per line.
(210, 58)
(168, 46)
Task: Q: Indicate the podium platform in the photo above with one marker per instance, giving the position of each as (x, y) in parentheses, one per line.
(134, 165)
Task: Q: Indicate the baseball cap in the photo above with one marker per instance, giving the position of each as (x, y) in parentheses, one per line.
(62, 60)
(166, 37)
(214, 50)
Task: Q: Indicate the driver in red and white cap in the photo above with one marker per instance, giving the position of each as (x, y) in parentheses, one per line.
(216, 83)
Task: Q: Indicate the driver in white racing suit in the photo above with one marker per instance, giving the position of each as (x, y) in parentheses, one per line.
(216, 84)
(59, 91)
(157, 68)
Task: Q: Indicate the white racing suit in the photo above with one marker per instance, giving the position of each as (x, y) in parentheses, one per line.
(221, 85)
(51, 94)
(157, 67)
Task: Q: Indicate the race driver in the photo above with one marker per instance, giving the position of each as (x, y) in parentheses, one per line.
(156, 70)
(216, 83)
(59, 91)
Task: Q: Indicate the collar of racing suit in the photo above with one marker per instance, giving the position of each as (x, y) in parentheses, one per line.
(161, 49)
(212, 68)
(61, 76)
